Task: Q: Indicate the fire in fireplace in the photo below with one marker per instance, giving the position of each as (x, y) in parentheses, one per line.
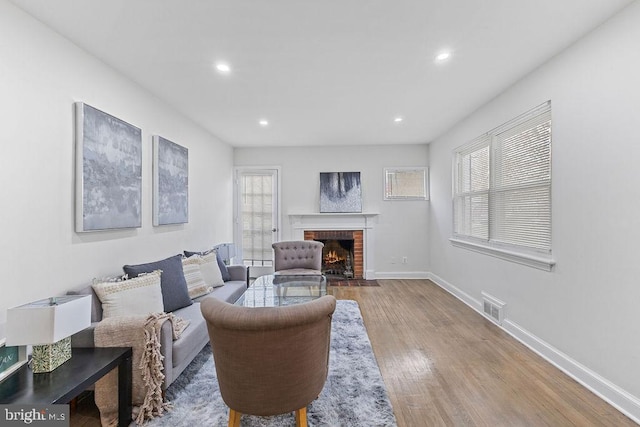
(337, 257)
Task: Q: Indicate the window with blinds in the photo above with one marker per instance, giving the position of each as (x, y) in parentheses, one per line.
(502, 185)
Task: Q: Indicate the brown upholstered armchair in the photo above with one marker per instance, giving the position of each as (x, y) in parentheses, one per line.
(270, 360)
(297, 257)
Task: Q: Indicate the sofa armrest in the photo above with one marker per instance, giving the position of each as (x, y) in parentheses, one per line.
(239, 272)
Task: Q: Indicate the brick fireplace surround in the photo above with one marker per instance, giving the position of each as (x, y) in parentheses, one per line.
(358, 241)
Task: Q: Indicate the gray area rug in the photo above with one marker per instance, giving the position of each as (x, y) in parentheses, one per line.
(354, 394)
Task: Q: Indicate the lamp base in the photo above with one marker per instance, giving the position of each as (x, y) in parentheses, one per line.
(46, 358)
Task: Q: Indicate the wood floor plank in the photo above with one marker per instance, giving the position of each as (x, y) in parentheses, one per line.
(446, 365)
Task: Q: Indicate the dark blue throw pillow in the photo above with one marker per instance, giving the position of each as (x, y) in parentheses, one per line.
(226, 276)
(175, 294)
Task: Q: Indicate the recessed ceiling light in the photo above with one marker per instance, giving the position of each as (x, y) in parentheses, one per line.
(398, 119)
(223, 68)
(443, 56)
(264, 122)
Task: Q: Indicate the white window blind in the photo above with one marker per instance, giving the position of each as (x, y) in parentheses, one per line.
(502, 184)
(471, 204)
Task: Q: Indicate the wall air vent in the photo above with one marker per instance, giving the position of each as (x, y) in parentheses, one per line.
(493, 308)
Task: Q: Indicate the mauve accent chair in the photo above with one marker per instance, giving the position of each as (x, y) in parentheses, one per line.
(293, 258)
(270, 360)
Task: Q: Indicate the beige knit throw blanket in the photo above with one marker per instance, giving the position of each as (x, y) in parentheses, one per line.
(142, 334)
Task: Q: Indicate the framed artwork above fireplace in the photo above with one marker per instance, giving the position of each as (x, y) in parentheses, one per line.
(340, 192)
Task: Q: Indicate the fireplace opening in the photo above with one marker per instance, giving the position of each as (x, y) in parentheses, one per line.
(337, 258)
(343, 252)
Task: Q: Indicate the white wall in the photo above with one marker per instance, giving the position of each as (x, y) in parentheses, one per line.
(397, 225)
(41, 76)
(587, 309)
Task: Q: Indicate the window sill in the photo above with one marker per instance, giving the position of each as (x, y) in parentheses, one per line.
(536, 261)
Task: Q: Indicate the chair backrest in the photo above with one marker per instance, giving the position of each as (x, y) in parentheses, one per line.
(302, 254)
(270, 360)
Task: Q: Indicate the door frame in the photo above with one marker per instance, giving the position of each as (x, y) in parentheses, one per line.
(237, 223)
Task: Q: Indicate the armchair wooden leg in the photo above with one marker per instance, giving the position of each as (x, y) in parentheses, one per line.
(234, 418)
(301, 417)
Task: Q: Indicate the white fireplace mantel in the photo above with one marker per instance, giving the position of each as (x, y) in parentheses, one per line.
(325, 221)
(364, 221)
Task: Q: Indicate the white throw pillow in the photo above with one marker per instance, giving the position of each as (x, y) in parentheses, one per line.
(193, 275)
(140, 295)
(209, 268)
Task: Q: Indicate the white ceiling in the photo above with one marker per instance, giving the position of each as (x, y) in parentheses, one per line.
(325, 71)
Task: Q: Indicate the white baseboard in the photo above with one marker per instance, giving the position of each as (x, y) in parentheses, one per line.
(617, 397)
(402, 275)
(456, 292)
(601, 387)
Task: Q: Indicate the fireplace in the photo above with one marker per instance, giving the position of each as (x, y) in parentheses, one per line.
(342, 255)
(305, 226)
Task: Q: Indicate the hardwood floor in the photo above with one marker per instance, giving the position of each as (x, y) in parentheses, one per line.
(445, 365)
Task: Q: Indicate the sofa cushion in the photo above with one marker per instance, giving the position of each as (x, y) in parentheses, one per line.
(195, 336)
(210, 269)
(140, 295)
(230, 292)
(223, 268)
(196, 284)
(175, 294)
(226, 276)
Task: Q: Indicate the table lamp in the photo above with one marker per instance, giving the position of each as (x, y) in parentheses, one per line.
(48, 325)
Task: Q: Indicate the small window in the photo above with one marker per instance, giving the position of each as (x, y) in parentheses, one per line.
(406, 183)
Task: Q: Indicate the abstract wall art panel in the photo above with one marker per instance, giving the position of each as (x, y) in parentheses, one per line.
(340, 192)
(170, 182)
(108, 171)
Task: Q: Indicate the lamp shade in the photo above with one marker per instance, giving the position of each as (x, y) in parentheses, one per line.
(49, 320)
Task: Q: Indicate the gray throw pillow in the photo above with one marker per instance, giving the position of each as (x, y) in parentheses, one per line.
(175, 294)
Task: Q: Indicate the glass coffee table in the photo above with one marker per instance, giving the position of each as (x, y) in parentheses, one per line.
(275, 290)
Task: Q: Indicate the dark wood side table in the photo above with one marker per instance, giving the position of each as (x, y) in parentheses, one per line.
(86, 366)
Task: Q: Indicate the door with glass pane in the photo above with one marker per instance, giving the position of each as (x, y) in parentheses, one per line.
(257, 222)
